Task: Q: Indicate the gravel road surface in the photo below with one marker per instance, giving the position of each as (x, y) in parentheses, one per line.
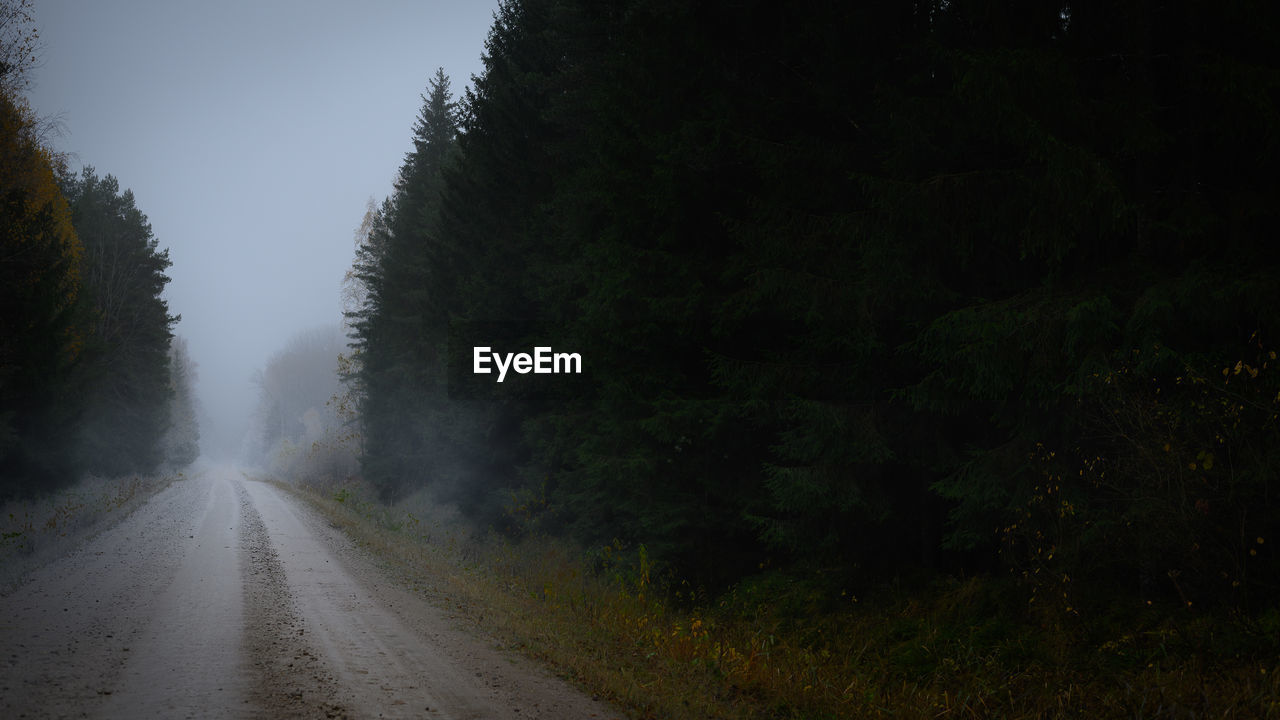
(223, 597)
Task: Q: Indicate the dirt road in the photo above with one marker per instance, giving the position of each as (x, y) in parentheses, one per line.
(224, 598)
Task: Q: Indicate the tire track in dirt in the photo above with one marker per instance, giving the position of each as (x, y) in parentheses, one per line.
(223, 597)
(390, 652)
(292, 681)
(140, 621)
(187, 659)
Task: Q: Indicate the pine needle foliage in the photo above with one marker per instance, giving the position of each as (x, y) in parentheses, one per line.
(854, 285)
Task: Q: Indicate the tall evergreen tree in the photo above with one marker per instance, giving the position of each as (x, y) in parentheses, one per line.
(399, 333)
(839, 277)
(128, 400)
(182, 439)
(43, 326)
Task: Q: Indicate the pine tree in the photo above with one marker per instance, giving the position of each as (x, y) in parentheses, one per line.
(128, 380)
(839, 276)
(182, 439)
(43, 326)
(400, 332)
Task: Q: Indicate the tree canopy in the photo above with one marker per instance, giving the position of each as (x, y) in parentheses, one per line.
(43, 335)
(85, 380)
(947, 284)
(127, 410)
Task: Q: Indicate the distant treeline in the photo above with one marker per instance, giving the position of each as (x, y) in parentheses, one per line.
(89, 379)
(856, 286)
(302, 429)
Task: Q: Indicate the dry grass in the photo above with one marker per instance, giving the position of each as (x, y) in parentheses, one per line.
(36, 531)
(778, 648)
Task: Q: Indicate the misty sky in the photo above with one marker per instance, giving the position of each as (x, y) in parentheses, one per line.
(252, 133)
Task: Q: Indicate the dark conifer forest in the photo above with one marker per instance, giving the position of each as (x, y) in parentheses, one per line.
(88, 380)
(928, 353)
(872, 288)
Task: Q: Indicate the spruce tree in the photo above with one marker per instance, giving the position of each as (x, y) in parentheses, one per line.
(43, 324)
(128, 378)
(399, 332)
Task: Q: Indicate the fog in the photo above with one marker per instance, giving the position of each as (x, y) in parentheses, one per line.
(252, 134)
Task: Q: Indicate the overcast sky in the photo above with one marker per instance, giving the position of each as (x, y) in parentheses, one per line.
(252, 132)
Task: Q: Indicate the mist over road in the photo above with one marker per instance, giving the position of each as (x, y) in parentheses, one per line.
(223, 597)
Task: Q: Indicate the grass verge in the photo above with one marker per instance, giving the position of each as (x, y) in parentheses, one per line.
(785, 646)
(36, 531)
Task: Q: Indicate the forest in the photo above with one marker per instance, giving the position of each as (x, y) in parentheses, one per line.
(872, 290)
(965, 309)
(944, 332)
(92, 380)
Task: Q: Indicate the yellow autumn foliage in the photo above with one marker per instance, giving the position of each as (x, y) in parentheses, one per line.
(29, 189)
(27, 167)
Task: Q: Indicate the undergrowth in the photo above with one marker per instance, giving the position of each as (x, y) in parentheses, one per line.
(37, 530)
(796, 645)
